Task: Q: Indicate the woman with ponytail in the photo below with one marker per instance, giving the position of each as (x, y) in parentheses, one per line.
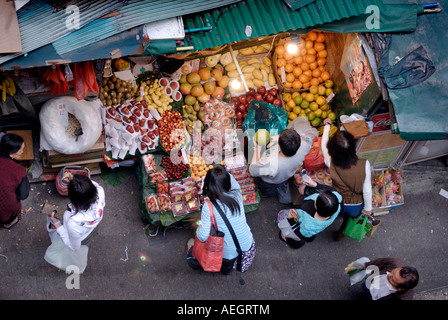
(224, 192)
(70, 239)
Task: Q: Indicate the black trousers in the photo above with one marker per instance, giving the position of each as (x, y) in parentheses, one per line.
(226, 268)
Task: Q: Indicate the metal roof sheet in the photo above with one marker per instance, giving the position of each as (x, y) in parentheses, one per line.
(40, 25)
(134, 13)
(267, 17)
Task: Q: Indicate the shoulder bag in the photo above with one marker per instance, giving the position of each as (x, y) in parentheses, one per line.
(245, 258)
(209, 253)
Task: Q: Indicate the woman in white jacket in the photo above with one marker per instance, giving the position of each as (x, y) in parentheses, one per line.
(84, 212)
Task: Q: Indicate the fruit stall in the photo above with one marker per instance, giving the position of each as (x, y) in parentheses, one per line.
(178, 120)
(178, 115)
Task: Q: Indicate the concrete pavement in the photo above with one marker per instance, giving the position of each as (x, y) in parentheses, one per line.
(124, 263)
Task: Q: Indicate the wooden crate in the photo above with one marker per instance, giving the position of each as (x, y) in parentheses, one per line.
(95, 154)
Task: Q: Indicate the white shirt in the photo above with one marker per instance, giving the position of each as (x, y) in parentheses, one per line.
(367, 186)
(77, 226)
(381, 287)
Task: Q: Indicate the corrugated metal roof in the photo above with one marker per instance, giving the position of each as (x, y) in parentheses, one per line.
(134, 13)
(40, 25)
(267, 17)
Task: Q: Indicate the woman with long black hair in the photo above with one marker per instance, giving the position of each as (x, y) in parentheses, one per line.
(224, 192)
(70, 239)
(14, 184)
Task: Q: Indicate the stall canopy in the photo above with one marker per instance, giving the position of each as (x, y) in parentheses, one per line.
(41, 24)
(255, 18)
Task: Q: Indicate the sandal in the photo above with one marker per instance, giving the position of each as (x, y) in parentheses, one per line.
(12, 224)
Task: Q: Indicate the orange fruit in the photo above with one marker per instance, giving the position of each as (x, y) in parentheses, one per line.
(319, 46)
(297, 84)
(312, 35)
(289, 68)
(281, 62)
(325, 107)
(313, 89)
(297, 110)
(297, 71)
(298, 60)
(309, 44)
(313, 65)
(311, 116)
(316, 73)
(287, 84)
(306, 85)
(308, 58)
(311, 51)
(322, 53)
(314, 82)
(321, 61)
(321, 100)
(325, 75)
(309, 97)
(318, 112)
(322, 68)
(290, 77)
(314, 106)
(308, 73)
(291, 103)
(321, 90)
(305, 66)
(295, 94)
(287, 97)
(303, 78)
(331, 116)
(280, 50)
(320, 37)
(288, 56)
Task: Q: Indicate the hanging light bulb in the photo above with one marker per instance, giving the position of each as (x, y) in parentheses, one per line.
(235, 84)
(293, 47)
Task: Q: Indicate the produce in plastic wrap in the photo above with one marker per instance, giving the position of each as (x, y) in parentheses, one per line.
(152, 204)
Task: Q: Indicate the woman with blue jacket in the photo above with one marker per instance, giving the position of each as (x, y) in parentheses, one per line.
(317, 211)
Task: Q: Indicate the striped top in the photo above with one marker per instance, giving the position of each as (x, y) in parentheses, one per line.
(238, 223)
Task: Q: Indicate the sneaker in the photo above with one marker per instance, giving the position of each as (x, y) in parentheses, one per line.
(12, 224)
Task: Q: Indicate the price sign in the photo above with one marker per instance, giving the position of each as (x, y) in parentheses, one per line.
(63, 114)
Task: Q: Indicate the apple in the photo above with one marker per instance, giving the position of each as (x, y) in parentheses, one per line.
(258, 97)
(273, 91)
(269, 98)
(239, 115)
(251, 92)
(242, 98)
(298, 180)
(277, 102)
(236, 103)
(242, 108)
(249, 99)
(261, 90)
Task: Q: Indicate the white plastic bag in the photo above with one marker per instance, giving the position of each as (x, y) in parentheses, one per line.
(61, 256)
(355, 270)
(303, 127)
(53, 121)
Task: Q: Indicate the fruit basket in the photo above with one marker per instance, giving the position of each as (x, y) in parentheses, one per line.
(387, 191)
(303, 70)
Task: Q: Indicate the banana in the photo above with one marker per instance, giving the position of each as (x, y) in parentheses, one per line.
(11, 86)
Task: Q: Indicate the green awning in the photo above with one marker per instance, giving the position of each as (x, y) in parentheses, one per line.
(257, 18)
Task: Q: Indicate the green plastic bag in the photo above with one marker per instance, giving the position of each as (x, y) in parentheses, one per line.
(355, 229)
(262, 115)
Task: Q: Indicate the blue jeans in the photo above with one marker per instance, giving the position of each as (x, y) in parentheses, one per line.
(270, 190)
(353, 210)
